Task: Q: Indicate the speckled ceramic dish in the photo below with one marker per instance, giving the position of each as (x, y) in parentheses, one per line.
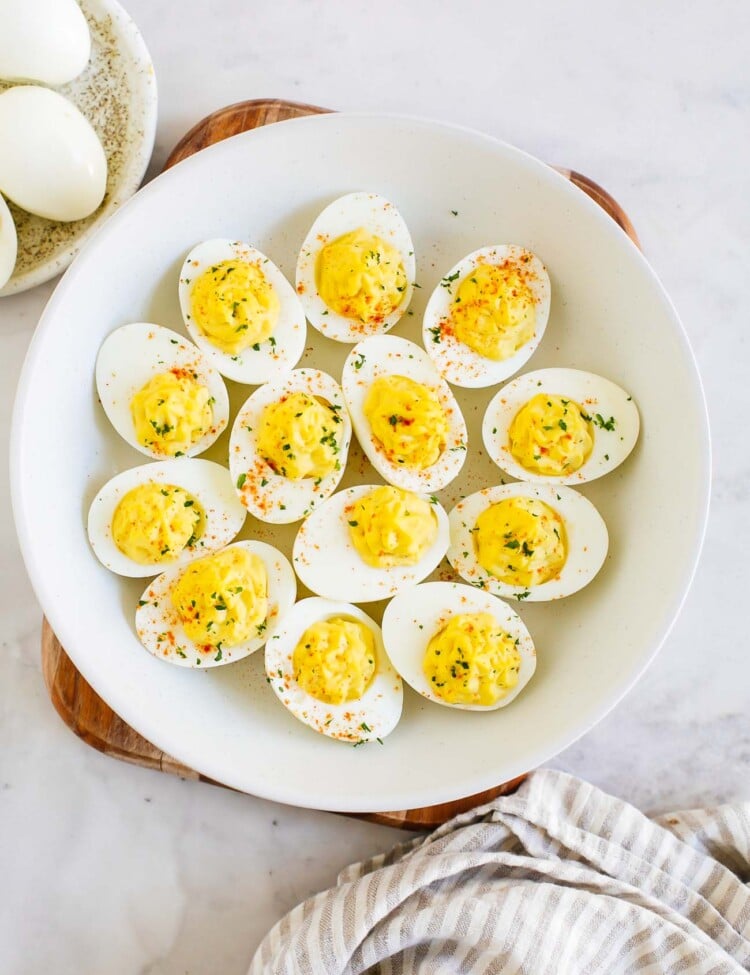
(117, 94)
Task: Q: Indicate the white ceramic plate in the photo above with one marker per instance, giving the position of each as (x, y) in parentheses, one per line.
(117, 94)
(609, 315)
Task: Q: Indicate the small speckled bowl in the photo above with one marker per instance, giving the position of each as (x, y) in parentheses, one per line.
(117, 94)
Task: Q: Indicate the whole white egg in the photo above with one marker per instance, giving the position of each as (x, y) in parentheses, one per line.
(43, 40)
(8, 243)
(51, 160)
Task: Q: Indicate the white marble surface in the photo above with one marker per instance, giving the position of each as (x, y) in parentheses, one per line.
(109, 868)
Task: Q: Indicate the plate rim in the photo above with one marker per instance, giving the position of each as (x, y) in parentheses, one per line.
(210, 766)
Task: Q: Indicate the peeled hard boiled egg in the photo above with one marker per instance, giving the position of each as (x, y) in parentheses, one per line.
(241, 311)
(458, 646)
(369, 542)
(289, 445)
(487, 315)
(404, 414)
(163, 514)
(356, 269)
(43, 40)
(8, 243)
(51, 160)
(528, 541)
(560, 426)
(217, 609)
(159, 392)
(327, 665)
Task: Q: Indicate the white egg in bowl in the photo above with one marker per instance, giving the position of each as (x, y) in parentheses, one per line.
(159, 391)
(487, 315)
(560, 426)
(458, 646)
(163, 514)
(289, 445)
(328, 666)
(241, 311)
(356, 268)
(405, 416)
(369, 542)
(217, 609)
(527, 541)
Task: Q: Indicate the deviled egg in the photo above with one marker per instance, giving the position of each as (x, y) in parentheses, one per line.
(369, 542)
(159, 392)
(217, 609)
(327, 665)
(404, 414)
(458, 646)
(528, 541)
(487, 315)
(289, 445)
(356, 268)
(560, 426)
(241, 311)
(162, 514)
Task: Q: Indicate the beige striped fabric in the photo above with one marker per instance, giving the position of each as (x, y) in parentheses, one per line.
(558, 879)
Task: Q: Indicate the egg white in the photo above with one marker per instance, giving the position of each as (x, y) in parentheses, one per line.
(277, 355)
(593, 393)
(371, 717)
(412, 618)
(266, 494)
(210, 484)
(157, 617)
(327, 562)
(385, 355)
(379, 217)
(455, 361)
(585, 530)
(131, 356)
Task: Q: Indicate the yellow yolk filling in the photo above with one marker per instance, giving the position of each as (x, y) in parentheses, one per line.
(551, 435)
(521, 541)
(298, 437)
(407, 420)
(390, 527)
(222, 599)
(234, 305)
(360, 277)
(172, 412)
(471, 660)
(493, 311)
(334, 660)
(155, 522)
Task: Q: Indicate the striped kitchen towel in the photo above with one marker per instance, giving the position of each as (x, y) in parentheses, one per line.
(557, 879)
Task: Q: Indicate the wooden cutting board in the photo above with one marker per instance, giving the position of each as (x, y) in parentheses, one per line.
(82, 710)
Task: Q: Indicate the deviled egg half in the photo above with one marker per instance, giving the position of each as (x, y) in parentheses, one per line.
(458, 646)
(289, 445)
(162, 514)
(487, 315)
(405, 416)
(356, 268)
(528, 541)
(369, 542)
(241, 311)
(560, 426)
(327, 665)
(159, 391)
(217, 609)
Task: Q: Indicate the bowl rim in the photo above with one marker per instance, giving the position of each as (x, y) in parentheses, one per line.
(131, 39)
(212, 767)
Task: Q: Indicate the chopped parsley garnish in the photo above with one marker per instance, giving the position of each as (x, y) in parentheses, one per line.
(241, 480)
(604, 424)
